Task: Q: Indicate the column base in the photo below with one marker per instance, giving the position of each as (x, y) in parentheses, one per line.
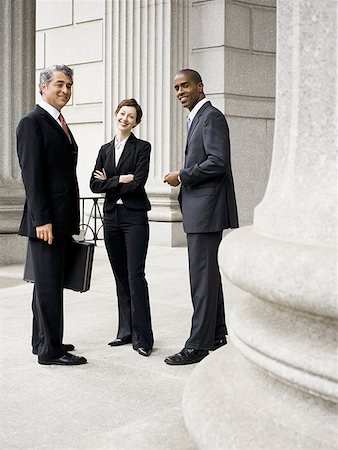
(231, 404)
(13, 249)
(167, 234)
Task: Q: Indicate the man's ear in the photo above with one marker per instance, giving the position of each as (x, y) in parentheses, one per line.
(200, 87)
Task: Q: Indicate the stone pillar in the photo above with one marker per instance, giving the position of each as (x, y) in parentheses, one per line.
(17, 55)
(277, 387)
(151, 47)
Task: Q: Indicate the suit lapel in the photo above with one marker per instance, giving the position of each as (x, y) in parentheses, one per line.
(53, 123)
(193, 126)
(110, 165)
(195, 123)
(196, 120)
(74, 144)
(127, 151)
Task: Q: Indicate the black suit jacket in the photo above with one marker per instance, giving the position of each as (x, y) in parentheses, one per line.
(48, 166)
(207, 195)
(135, 159)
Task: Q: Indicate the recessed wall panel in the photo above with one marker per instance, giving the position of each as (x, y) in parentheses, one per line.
(74, 45)
(53, 13)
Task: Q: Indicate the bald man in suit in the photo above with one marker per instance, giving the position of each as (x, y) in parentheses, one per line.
(208, 205)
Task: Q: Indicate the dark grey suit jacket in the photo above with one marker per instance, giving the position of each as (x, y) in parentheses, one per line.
(48, 167)
(207, 195)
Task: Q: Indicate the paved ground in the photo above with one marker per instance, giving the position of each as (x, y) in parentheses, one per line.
(119, 400)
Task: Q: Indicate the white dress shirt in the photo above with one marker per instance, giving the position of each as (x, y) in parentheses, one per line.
(195, 110)
(119, 147)
(55, 113)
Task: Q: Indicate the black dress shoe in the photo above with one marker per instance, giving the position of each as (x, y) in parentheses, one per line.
(66, 347)
(186, 356)
(219, 343)
(117, 342)
(143, 351)
(66, 360)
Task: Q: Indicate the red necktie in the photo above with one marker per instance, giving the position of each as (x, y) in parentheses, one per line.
(64, 125)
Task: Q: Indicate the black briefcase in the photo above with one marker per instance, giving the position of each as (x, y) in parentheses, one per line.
(78, 267)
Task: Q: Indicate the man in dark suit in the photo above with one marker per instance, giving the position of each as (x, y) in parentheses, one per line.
(47, 155)
(208, 205)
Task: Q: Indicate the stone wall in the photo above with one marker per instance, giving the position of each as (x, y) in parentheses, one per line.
(72, 32)
(277, 387)
(122, 48)
(233, 45)
(133, 48)
(16, 42)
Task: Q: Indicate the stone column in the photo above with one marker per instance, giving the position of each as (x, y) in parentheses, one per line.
(276, 388)
(17, 56)
(151, 47)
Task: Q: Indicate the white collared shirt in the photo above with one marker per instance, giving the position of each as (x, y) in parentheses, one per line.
(119, 147)
(195, 109)
(55, 113)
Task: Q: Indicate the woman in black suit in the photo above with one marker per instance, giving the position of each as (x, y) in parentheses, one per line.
(121, 172)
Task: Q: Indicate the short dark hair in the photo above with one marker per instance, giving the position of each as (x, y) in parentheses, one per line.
(47, 74)
(195, 76)
(131, 102)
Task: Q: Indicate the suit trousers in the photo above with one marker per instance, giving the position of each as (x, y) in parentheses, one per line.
(208, 321)
(47, 305)
(126, 235)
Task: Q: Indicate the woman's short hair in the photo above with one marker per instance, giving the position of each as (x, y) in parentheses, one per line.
(47, 74)
(131, 102)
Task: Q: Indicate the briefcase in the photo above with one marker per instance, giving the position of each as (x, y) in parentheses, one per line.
(78, 266)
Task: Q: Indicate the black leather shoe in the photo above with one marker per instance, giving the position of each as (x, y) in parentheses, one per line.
(219, 343)
(66, 347)
(117, 342)
(143, 351)
(66, 360)
(186, 356)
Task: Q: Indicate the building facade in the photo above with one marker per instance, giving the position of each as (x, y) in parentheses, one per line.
(133, 48)
(278, 387)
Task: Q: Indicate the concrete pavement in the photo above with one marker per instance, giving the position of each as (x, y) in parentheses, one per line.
(119, 400)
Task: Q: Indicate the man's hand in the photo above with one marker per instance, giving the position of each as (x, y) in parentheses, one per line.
(45, 233)
(172, 178)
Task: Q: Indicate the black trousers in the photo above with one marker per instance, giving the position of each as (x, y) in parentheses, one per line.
(47, 305)
(126, 234)
(208, 321)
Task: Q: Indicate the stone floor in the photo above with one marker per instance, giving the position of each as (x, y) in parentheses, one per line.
(119, 400)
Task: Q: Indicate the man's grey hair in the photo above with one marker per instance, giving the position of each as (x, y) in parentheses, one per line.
(47, 74)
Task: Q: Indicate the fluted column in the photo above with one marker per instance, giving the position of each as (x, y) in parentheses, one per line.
(17, 55)
(150, 48)
(277, 389)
